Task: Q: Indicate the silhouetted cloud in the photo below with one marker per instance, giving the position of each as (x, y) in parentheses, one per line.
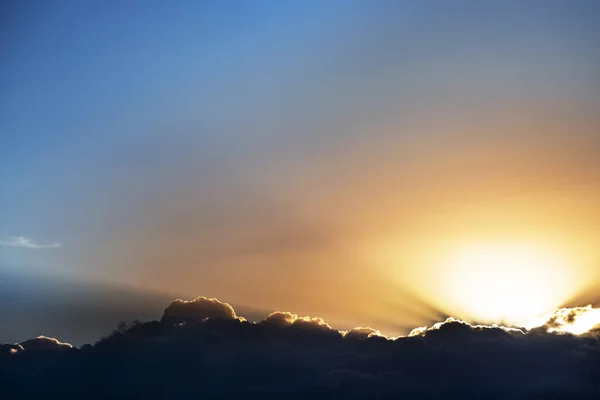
(202, 348)
(27, 243)
(280, 319)
(197, 309)
(361, 333)
(459, 324)
(287, 319)
(43, 343)
(10, 349)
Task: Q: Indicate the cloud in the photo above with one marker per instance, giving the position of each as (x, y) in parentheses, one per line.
(418, 331)
(457, 324)
(286, 319)
(44, 343)
(10, 349)
(27, 243)
(280, 319)
(202, 347)
(198, 309)
(575, 320)
(361, 333)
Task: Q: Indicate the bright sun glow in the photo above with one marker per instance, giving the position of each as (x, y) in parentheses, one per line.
(506, 282)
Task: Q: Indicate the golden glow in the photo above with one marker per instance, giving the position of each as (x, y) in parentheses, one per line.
(505, 282)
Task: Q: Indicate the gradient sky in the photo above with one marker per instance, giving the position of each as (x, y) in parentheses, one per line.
(312, 156)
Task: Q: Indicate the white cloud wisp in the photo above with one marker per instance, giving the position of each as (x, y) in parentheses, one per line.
(27, 243)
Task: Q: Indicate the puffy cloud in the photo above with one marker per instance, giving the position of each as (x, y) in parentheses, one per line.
(27, 243)
(452, 324)
(283, 319)
(417, 331)
(280, 319)
(575, 320)
(44, 343)
(197, 309)
(361, 333)
(312, 322)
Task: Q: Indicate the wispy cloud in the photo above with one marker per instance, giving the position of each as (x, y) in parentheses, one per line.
(27, 243)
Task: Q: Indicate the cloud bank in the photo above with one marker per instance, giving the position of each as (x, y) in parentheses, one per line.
(27, 243)
(202, 348)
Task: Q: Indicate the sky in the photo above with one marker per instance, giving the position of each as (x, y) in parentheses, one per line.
(337, 158)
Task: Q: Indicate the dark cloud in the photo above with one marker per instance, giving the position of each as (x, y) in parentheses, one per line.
(286, 319)
(280, 319)
(43, 343)
(455, 331)
(361, 333)
(10, 349)
(201, 348)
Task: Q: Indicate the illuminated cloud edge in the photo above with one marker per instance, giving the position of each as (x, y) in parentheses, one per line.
(575, 320)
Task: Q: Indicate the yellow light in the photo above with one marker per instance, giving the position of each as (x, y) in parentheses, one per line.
(505, 282)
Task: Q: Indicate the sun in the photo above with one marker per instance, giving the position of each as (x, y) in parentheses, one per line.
(503, 282)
